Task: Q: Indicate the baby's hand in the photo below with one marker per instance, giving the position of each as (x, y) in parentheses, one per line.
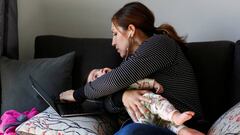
(158, 87)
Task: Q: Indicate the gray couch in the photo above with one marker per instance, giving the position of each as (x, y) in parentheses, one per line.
(216, 64)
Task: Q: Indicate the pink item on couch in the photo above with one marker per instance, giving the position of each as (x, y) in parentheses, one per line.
(11, 119)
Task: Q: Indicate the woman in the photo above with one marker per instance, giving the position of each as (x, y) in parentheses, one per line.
(149, 52)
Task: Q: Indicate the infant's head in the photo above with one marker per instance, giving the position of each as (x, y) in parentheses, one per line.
(95, 73)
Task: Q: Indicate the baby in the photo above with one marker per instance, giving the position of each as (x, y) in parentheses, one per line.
(161, 110)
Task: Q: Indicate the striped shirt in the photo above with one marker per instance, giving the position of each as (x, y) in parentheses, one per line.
(159, 58)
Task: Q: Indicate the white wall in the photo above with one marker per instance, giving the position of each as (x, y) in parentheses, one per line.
(31, 22)
(200, 20)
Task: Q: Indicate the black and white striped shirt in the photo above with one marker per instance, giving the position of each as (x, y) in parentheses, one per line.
(159, 58)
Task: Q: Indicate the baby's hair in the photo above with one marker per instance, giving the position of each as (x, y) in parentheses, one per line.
(85, 79)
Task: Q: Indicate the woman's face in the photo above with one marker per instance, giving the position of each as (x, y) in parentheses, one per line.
(95, 73)
(120, 40)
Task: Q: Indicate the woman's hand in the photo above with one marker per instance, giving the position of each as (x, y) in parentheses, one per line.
(67, 96)
(189, 131)
(132, 101)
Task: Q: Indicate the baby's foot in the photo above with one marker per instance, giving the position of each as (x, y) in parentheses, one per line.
(180, 118)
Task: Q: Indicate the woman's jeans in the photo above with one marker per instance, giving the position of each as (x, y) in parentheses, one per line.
(142, 129)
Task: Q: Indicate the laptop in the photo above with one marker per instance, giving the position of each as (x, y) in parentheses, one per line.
(68, 109)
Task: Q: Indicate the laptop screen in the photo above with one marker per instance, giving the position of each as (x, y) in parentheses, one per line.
(42, 93)
(89, 107)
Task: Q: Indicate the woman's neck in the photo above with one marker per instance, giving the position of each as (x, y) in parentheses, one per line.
(139, 38)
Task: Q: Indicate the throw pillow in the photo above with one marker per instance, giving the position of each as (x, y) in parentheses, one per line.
(50, 123)
(53, 74)
(228, 123)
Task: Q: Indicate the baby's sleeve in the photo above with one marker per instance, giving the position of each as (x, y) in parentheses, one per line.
(143, 84)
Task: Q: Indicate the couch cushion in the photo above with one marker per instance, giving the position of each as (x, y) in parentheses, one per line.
(213, 64)
(54, 74)
(50, 123)
(228, 123)
(90, 53)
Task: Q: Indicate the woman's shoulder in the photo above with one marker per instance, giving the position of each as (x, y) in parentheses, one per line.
(159, 40)
(160, 37)
(156, 44)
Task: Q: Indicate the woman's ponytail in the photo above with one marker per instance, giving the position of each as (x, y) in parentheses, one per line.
(170, 31)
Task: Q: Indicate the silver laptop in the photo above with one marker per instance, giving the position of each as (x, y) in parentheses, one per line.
(68, 109)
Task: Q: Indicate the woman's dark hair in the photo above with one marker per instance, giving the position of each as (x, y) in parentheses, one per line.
(142, 18)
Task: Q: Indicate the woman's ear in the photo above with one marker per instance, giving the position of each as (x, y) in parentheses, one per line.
(131, 30)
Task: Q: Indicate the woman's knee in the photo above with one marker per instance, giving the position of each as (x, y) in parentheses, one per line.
(143, 129)
(130, 129)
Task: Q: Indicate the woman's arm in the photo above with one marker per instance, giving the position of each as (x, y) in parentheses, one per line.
(156, 54)
(189, 131)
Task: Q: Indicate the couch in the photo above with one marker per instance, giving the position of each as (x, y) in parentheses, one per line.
(216, 64)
